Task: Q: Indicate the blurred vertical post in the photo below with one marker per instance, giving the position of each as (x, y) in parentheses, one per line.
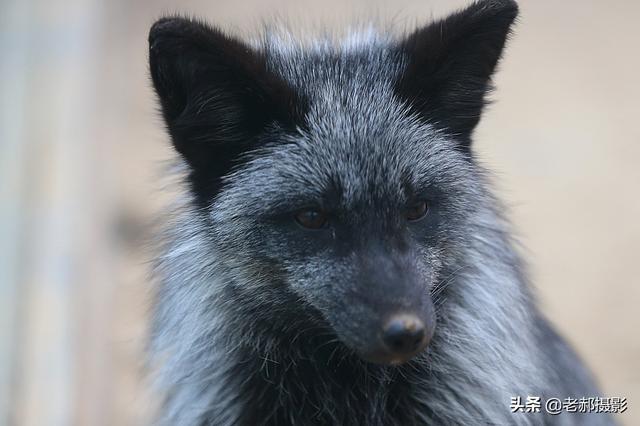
(13, 86)
(50, 192)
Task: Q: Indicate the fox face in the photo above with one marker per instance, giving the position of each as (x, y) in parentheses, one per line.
(336, 181)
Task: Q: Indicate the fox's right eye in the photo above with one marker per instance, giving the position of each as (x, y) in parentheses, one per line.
(311, 219)
(417, 211)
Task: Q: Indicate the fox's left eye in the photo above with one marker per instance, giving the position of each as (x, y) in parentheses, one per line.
(417, 210)
(312, 219)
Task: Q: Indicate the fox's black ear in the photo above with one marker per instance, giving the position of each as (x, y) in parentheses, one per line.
(217, 97)
(450, 63)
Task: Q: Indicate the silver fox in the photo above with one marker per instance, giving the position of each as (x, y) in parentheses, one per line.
(339, 258)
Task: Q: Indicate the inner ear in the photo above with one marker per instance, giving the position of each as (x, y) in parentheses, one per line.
(450, 63)
(218, 97)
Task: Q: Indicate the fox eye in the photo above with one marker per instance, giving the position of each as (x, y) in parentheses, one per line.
(417, 210)
(311, 219)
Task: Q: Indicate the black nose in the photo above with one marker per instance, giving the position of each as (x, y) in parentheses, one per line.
(404, 334)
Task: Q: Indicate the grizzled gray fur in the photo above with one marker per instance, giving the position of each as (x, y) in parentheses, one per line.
(338, 258)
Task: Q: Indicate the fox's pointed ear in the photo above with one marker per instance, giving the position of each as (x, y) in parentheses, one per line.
(217, 97)
(450, 63)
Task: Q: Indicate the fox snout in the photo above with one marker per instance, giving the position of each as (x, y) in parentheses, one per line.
(386, 315)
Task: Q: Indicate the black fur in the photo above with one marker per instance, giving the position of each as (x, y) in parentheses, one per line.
(451, 63)
(217, 98)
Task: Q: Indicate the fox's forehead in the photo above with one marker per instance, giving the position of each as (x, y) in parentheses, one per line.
(348, 162)
(360, 143)
(393, 159)
(356, 128)
(340, 146)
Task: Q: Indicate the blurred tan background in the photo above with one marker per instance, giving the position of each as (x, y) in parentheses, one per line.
(81, 146)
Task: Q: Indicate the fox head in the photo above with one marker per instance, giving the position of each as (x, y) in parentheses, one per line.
(336, 182)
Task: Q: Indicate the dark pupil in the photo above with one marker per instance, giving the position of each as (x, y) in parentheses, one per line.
(417, 210)
(311, 219)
